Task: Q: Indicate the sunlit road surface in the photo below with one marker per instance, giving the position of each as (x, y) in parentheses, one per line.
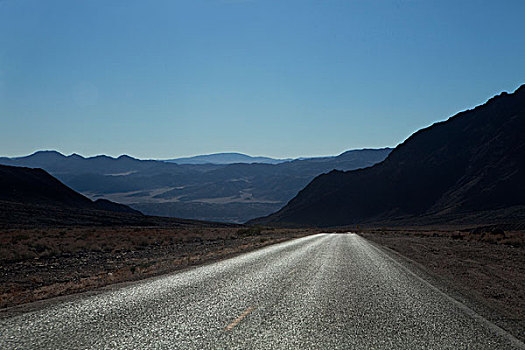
(328, 291)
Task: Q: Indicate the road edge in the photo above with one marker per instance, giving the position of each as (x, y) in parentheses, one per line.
(34, 306)
(470, 307)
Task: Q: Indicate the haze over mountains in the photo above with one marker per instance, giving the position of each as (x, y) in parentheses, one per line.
(217, 192)
(226, 158)
(468, 169)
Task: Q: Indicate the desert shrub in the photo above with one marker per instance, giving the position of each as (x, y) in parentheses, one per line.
(16, 253)
(147, 264)
(194, 239)
(249, 231)
(19, 238)
(39, 247)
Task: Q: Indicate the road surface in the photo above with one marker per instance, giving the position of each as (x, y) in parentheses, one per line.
(327, 291)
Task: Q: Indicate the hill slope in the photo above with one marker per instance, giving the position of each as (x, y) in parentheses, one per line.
(451, 171)
(33, 196)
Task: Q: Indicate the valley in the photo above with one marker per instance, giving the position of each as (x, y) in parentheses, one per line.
(212, 192)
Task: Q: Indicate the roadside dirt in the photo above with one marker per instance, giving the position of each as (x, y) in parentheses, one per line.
(37, 264)
(487, 273)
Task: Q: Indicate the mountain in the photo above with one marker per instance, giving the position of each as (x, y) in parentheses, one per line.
(225, 158)
(32, 195)
(468, 169)
(213, 192)
(36, 186)
(56, 162)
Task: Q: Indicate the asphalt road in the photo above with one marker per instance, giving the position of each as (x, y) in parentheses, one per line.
(328, 291)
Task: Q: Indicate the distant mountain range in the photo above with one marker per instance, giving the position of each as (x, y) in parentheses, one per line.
(468, 169)
(216, 192)
(226, 158)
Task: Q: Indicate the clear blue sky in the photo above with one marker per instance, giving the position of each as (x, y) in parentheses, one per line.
(160, 79)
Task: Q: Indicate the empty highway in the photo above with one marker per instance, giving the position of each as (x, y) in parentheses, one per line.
(327, 291)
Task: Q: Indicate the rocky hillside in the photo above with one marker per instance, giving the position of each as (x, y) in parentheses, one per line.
(470, 168)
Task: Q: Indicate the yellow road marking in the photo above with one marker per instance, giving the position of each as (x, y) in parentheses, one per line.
(239, 319)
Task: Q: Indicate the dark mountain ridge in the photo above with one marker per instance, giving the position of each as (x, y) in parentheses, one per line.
(37, 187)
(473, 162)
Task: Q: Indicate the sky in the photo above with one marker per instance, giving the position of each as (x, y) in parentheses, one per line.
(163, 79)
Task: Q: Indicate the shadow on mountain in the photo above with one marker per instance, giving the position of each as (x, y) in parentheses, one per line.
(468, 169)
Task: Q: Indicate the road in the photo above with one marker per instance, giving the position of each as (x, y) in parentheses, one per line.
(327, 291)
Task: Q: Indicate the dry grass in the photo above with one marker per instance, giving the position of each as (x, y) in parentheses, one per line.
(492, 235)
(41, 263)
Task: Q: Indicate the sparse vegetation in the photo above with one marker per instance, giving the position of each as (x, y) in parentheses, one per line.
(250, 231)
(40, 263)
(486, 234)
